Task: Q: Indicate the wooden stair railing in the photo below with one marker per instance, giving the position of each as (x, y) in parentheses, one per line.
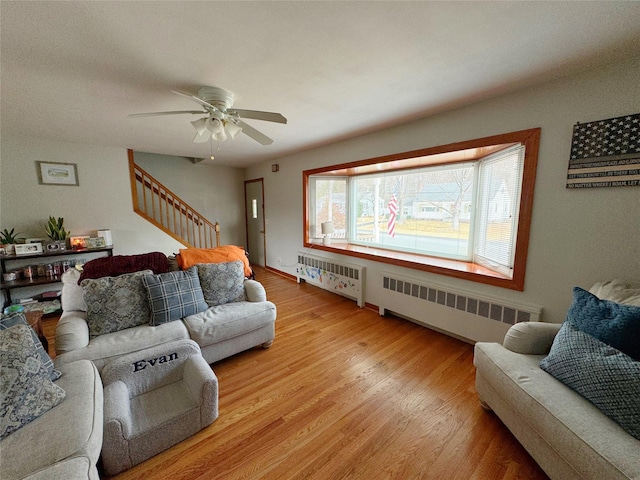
(164, 209)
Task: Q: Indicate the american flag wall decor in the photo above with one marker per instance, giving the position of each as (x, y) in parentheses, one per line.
(605, 153)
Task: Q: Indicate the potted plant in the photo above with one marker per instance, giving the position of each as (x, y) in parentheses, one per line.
(8, 240)
(57, 233)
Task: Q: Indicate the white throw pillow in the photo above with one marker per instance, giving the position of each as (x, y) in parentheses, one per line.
(617, 291)
(72, 299)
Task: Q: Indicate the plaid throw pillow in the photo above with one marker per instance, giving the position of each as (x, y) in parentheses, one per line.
(174, 295)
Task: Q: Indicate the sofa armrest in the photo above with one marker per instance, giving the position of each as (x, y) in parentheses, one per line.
(117, 412)
(72, 331)
(255, 291)
(203, 383)
(117, 428)
(531, 338)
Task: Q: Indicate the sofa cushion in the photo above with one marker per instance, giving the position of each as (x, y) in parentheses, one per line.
(189, 257)
(224, 322)
(222, 282)
(602, 374)
(119, 264)
(19, 319)
(116, 303)
(26, 392)
(612, 323)
(174, 295)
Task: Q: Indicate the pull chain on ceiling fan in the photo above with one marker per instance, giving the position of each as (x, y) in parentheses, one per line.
(220, 120)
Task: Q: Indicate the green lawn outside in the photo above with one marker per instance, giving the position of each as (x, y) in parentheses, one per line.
(433, 228)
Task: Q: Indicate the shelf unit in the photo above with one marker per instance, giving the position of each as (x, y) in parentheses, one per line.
(35, 281)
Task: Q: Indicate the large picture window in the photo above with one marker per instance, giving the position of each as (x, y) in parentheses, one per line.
(462, 210)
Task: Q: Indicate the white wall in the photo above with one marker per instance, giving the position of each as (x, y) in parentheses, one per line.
(103, 198)
(215, 192)
(578, 236)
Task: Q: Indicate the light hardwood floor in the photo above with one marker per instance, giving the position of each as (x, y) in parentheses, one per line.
(345, 394)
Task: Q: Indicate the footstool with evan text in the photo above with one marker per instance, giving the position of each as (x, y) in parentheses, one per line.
(154, 399)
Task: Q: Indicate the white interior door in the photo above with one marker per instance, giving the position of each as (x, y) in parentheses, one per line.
(254, 214)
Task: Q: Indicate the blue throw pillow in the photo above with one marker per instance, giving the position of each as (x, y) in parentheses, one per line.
(174, 295)
(612, 323)
(600, 373)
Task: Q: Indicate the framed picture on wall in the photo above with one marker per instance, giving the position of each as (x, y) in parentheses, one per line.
(54, 173)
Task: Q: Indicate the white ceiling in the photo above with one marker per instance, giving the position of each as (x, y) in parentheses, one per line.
(73, 71)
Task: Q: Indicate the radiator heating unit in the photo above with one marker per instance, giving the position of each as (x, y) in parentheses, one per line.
(468, 314)
(334, 275)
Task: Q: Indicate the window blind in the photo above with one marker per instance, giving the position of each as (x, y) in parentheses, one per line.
(499, 185)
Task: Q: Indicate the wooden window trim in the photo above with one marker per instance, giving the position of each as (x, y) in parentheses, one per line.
(438, 155)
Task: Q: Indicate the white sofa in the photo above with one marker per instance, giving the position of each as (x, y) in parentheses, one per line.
(220, 331)
(65, 442)
(566, 434)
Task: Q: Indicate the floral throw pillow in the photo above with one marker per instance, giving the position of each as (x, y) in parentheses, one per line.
(9, 321)
(116, 303)
(222, 282)
(26, 392)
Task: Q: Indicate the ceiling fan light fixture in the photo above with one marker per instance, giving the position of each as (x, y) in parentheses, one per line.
(219, 120)
(232, 129)
(214, 125)
(200, 125)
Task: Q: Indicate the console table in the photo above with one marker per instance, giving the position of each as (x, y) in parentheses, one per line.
(7, 260)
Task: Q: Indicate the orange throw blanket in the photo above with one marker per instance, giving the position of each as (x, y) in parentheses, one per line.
(188, 257)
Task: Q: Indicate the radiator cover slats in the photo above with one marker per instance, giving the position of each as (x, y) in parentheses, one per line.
(500, 310)
(423, 302)
(334, 275)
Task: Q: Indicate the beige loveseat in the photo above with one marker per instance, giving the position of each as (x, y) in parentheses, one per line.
(220, 330)
(65, 442)
(565, 433)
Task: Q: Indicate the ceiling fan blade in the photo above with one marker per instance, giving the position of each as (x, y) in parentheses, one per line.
(253, 133)
(197, 100)
(258, 115)
(177, 112)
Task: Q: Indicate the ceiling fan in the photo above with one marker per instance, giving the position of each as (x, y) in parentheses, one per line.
(220, 120)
